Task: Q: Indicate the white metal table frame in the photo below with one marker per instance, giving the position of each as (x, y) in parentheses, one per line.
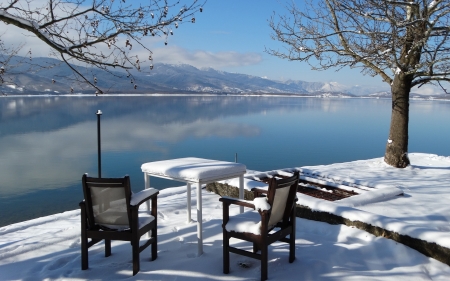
(199, 184)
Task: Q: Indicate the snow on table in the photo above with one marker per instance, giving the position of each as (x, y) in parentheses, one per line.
(194, 169)
(199, 171)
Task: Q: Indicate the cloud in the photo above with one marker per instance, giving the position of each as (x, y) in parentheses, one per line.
(201, 58)
(55, 159)
(428, 90)
(15, 37)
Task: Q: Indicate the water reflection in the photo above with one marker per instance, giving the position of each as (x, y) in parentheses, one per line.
(62, 147)
(47, 143)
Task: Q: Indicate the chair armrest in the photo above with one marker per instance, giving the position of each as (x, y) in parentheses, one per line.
(260, 190)
(236, 201)
(142, 196)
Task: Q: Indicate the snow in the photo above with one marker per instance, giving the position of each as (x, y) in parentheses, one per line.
(49, 247)
(261, 204)
(247, 222)
(432, 4)
(136, 198)
(193, 169)
(22, 21)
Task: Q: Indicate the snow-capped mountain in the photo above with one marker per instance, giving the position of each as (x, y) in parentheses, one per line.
(51, 76)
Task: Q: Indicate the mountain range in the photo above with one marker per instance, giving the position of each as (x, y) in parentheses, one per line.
(47, 75)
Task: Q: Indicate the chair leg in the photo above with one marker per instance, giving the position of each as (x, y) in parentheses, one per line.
(135, 250)
(292, 238)
(154, 231)
(107, 247)
(255, 248)
(154, 245)
(84, 239)
(292, 247)
(264, 261)
(226, 253)
(84, 252)
(135, 237)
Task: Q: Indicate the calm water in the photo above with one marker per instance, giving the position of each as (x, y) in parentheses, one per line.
(47, 143)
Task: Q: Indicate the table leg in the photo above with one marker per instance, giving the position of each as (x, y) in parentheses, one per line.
(147, 186)
(199, 220)
(241, 191)
(188, 185)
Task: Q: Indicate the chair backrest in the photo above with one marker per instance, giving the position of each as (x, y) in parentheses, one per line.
(281, 197)
(107, 202)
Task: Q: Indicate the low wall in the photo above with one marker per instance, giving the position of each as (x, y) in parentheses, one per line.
(429, 249)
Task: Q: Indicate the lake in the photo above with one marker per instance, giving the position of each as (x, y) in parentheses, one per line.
(48, 143)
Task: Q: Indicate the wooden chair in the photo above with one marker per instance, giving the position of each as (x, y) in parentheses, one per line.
(109, 211)
(273, 221)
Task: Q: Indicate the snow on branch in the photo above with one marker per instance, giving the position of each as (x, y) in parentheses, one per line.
(100, 33)
(375, 36)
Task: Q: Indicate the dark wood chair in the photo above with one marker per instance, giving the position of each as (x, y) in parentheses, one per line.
(110, 211)
(273, 220)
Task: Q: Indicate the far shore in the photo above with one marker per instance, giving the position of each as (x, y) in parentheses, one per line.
(196, 94)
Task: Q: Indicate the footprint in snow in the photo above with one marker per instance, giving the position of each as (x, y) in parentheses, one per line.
(190, 255)
(244, 264)
(161, 215)
(59, 263)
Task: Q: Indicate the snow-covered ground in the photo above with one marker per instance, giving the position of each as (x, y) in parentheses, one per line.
(49, 247)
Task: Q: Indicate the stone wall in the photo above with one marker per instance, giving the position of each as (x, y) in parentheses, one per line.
(429, 249)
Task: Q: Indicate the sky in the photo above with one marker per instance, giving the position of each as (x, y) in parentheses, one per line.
(232, 36)
(49, 247)
(229, 36)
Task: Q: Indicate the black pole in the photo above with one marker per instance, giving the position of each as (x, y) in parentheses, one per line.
(99, 113)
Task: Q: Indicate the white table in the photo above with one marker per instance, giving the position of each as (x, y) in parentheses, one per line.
(195, 171)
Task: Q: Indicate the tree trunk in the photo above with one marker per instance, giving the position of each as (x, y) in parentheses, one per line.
(397, 146)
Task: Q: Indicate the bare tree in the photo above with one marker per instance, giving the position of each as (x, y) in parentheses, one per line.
(99, 33)
(6, 55)
(403, 42)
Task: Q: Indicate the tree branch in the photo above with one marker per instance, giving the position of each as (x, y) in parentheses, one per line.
(81, 29)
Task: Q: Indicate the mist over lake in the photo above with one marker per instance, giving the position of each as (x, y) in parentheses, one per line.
(48, 143)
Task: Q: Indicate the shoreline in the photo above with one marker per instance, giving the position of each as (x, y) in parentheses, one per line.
(287, 95)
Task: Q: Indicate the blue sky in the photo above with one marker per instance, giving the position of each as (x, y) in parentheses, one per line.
(230, 36)
(235, 35)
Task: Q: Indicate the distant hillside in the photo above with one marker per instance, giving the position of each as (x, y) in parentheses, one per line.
(413, 96)
(47, 75)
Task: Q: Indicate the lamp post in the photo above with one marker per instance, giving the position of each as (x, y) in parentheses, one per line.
(99, 113)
